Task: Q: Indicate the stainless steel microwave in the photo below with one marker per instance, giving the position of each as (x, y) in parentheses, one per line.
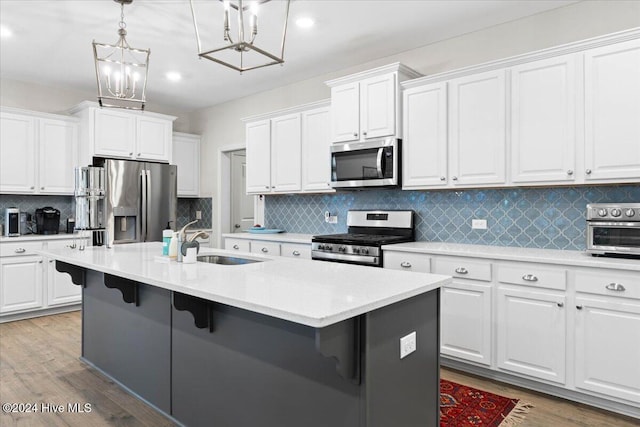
(613, 229)
(366, 164)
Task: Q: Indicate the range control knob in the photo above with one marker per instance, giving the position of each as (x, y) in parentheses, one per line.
(320, 247)
(602, 212)
(365, 251)
(615, 212)
(328, 247)
(356, 250)
(342, 249)
(629, 212)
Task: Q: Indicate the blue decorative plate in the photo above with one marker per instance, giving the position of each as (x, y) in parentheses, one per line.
(257, 228)
(265, 231)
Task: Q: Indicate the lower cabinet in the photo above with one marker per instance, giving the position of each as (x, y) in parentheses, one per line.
(237, 244)
(21, 283)
(295, 250)
(272, 248)
(265, 248)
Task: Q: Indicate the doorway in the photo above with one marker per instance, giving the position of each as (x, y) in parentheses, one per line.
(241, 204)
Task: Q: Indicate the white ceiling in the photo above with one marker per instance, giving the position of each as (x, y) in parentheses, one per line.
(51, 42)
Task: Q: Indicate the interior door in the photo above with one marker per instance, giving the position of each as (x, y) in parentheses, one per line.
(241, 203)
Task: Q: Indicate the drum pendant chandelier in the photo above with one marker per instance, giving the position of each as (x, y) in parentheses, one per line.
(240, 53)
(121, 71)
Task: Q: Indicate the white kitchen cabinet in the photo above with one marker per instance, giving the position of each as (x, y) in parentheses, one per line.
(477, 129)
(316, 154)
(258, 141)
(543, 121)
(186, 156)
(295, 250)
(21, 284)
(153, 138)
(407, 261)
(114, 133)
(424, 147)
(241, 245)
(607, 333)
(367, 105)
(286, 163)
(60, 289)
(612, 108)
(264, 248)
(38, 153)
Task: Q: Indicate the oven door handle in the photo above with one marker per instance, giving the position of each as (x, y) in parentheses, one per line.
(614, 224)
(379, 162)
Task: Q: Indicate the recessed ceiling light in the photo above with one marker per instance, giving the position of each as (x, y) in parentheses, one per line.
(305, 22)
(173, 76)
(5, 32)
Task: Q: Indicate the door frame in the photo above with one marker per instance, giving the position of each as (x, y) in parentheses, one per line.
(223, 205)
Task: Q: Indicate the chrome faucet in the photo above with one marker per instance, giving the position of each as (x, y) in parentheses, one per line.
(182, 237)
(202, 234)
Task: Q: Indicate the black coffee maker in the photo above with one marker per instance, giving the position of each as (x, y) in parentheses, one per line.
(47, 220)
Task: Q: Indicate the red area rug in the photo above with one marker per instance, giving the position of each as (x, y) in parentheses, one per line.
(463, 406)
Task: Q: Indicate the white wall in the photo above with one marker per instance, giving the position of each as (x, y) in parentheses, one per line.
(221, 125)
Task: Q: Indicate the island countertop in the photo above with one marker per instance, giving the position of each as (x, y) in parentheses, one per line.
(312, 293)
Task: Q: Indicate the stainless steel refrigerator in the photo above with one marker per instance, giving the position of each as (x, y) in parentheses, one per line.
(140, 199)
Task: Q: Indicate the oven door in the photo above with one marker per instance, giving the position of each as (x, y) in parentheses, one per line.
(613, 237)
(365, 164)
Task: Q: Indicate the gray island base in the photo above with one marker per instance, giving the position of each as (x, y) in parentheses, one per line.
(204, 363)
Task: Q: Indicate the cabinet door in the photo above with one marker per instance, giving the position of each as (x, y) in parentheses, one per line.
(258, 141)
(153, 139)
(477, 129)
(114, 133)
(378, 106)
(345, 112)
(286, 156)
(608, 346)
(58, 156)
(295, 250)
(316, 155)
(17, 153)
(265, 248)
(60, 289)
(237, 244)
(186, 155)
(543, 121)
(612, 108)
(466, 321)
(532, 333)
(20, 283)
(424, 148)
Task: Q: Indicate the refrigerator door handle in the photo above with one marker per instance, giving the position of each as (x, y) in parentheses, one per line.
(143, 192)
(147, 196)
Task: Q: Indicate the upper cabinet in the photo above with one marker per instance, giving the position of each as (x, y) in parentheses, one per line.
(123, 134)
(289, 152)
(186, 156)
(38, 152)
(563, 116)
(367, 105)
(612, 112)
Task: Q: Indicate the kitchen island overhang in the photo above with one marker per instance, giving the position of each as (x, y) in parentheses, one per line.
(280, 342)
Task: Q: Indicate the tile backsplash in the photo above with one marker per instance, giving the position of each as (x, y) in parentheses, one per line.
(549, 218)
(187, 212)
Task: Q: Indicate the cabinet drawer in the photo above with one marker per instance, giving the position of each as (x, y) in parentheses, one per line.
(19, 248)
(608, 282)
(293, 250)
(532, 275)
(61, 244)
(463, 268)
(265, 248)
(237, 245)
(407, 261)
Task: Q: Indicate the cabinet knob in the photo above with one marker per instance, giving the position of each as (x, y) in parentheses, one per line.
(50, 261)
(266, 186)
(529, 278)
(364, 133)
(42, 188)
(405, 264)
(20, 250)
(560, 304)
(569, 172)
(139, 154)
(616, 287)
(296, 253)
(131, 154)
(40, 262)
(442, 178)
(236, 247)
(455, 178)
(355, 134)
(588, 171)
(462, 270)
(32, 188)
(265, 250)
(579, 307)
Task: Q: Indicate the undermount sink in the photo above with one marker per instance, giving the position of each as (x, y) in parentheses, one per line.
(225, 260)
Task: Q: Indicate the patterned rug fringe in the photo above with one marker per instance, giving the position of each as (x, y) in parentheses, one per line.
(517, 415)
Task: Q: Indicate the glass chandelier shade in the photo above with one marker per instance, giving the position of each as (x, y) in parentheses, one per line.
(121, 71)
(239, 32)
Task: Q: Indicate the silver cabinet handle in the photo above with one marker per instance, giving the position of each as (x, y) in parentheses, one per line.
(50, 261)
(405, 264)
(455, 178)
(355, 134)
(20, 250)
(32, 187)
(615, 287)
(236, 247)
(364, 133)
(40, 262)
(139, 154)
(529, 278)
(560, 304)
(265, 250)
(462, 270)
(131, 154)
(442, 178)
(266, 186)
(273, 186)
(588, 171)
(569, 172)
(42, 188)
(579, 307)
(295, 253)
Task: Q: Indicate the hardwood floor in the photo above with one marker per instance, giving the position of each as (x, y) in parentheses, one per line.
(39, 364)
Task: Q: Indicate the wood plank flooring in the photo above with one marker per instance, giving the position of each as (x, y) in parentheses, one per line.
(39, 364)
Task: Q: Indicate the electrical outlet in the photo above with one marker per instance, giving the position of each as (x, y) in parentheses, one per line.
(479, 224)
(333, 219)
(407, 344)
(198, 214)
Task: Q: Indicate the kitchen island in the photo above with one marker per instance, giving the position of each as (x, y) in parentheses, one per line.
(276, 342)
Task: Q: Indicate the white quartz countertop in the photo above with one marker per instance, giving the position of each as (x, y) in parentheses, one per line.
(273, 237)
(35, 237)
(312, 293)
(549, 256)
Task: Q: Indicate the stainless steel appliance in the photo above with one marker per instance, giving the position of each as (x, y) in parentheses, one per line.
(366, 164)
(140, 199)
(613, 229)
(11, 222)
(47, 220)
(367, 232)
(90, 192)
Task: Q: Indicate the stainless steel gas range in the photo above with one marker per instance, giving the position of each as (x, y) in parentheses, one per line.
(367, 232)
